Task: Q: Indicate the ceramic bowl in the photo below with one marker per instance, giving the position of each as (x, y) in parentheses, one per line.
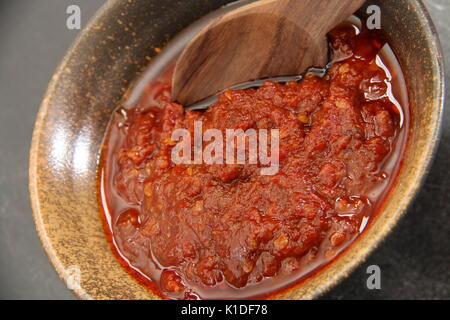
(98, 70)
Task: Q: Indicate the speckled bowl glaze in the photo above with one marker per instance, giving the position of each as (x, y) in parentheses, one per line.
(96, 73)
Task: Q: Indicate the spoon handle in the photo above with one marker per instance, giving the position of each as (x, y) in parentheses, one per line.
(331, 12)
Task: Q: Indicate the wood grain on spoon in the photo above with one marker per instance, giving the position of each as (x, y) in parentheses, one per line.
(267, 38)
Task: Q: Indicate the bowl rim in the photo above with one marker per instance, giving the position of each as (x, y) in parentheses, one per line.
(434, 44)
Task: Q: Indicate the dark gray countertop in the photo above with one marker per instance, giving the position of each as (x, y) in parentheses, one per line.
(414, 260)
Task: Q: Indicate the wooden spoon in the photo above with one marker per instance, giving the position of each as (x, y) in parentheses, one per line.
(267, 38)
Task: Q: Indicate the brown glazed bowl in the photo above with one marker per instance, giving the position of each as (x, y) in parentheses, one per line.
(96, 73)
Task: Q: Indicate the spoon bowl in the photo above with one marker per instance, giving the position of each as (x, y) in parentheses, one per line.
(267, 38)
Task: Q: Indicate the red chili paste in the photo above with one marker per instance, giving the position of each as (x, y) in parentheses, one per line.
(226, 231)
